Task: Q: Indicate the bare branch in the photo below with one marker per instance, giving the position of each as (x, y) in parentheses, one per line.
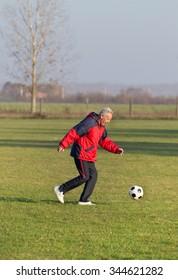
(36, 40)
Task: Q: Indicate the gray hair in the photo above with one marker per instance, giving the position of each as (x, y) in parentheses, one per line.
(105, 111)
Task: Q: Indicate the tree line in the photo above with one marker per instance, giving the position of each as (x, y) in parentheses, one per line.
(16, 92)
(37, 44)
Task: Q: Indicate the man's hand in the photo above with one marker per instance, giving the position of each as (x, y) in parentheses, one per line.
(60, 149)
(121, 151)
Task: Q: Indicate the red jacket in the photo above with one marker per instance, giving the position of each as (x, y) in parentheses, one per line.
(86, 136)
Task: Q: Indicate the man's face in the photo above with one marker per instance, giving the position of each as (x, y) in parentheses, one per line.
(104, 119)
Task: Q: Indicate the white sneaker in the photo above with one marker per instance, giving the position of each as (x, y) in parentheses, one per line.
(59, 194)
(86, 203)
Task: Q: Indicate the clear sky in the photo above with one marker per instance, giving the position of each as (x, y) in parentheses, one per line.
(125, 41)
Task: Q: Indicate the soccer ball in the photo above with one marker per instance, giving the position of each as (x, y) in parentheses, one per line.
(136, 192)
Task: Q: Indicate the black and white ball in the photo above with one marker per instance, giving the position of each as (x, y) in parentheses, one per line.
(136, 192)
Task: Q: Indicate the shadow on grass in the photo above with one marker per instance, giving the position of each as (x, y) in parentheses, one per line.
(151, 148)
(28, 143)
(29, 200)
(148, 133)
(48, 201)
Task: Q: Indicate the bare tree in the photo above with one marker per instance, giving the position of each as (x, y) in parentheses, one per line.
(35, 33)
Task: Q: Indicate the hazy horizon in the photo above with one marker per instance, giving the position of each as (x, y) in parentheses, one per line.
(124, 41)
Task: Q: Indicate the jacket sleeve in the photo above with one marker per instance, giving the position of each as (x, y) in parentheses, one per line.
(110, 146)
(107, 144)
(69, 138)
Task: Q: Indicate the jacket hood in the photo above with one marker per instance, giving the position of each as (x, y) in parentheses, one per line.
(93, 115)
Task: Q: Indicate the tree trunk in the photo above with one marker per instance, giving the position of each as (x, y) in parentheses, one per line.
(33, 92)
(33, 101)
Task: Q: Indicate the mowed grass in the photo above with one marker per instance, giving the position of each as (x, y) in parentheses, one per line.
(67, 110)
(34, 225)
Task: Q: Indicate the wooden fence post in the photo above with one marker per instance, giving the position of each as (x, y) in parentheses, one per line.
(87, 102)
(130, 107)
(176, 112)
(41, 104)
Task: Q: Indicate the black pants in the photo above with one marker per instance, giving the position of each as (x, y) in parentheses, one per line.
(87, 174)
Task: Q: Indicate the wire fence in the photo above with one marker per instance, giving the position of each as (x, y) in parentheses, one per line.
(71, 110)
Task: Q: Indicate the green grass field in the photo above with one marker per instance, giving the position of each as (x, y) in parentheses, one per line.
(67, 110)
(34, 225)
